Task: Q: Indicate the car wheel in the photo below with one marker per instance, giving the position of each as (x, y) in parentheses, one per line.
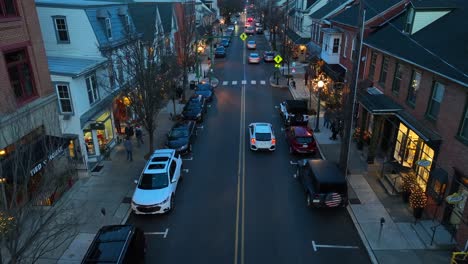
(308, 200)
(172, 203)
(190, 148)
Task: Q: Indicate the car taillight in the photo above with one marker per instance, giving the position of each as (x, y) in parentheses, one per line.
(273, 141)
(252, 140)
(317, 196)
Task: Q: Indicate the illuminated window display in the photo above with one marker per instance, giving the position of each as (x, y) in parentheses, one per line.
(104, 134)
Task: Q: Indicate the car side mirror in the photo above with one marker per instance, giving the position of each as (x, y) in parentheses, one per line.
(135, 181)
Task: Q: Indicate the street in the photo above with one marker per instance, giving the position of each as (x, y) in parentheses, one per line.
(239, 206)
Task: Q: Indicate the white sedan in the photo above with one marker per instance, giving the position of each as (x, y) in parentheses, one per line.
(254, 58)
(262, 137)
(251, 44)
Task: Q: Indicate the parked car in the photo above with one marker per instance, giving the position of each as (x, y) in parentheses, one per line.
(231, 27)
(268, 56)
(301, 140)
(117, 244)
(254, 58)
(199, 99)
(157, 185)
(225, 42)
(193, 111)
(181, 136)
(250, 30)
(262, 137)
(220, 52)
(251, 44)
(323, 183)
(259, 30)
(205, 90)
(294, 112)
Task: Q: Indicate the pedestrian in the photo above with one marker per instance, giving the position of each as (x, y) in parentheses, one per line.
(128, 148)
(129, 130)
(326, 118)
(334, 130)
(139, 135)
(293, 82)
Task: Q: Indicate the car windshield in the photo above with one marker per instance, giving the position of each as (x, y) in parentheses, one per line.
(254, 55)
(263, 136)
(220, 49)
(178, 133)
(203, 87)
(333, 187)
(251, 42)
(153, 181)
(304, 140)
(192, 106)
(269, 53)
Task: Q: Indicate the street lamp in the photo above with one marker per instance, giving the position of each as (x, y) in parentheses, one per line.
(320, 82)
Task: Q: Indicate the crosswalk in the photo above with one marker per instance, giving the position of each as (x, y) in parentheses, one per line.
(252, 82)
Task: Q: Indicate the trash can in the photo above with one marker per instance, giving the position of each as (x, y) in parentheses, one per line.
(192, 85)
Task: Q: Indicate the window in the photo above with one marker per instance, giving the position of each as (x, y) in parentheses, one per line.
(397, 79)
(336, 45)
(414, 87)
(373, 61)
(345, 46)
(108, 28)
(383, 71)
(64, 97)
(127, 23)
(353, 49)
(61, 30)
(19, 71)
(409, 20)
(8, 8)
(93, 93)
(172, 169)
(464, 124)
(436, 99)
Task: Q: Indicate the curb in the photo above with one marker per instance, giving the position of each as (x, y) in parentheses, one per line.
(273, 83)
(364, 240)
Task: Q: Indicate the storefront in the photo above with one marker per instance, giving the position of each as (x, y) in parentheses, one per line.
(123, 114)
(98, 135)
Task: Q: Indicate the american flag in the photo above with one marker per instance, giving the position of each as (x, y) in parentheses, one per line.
(333, 199)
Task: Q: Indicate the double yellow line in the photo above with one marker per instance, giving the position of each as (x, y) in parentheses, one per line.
(240, 213)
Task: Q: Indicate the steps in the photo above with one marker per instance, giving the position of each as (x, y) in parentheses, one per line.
(392, 183)
(442, 238)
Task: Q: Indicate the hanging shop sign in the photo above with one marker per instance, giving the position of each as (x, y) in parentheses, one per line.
(454, 198)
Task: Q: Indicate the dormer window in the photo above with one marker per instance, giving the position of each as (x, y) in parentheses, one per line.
(127, 22)
(409, 20)
(107, 23)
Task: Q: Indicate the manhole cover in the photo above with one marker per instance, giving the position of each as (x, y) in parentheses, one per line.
(354, 201)
(127, 200)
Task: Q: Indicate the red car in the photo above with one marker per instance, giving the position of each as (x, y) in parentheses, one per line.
(301, 140)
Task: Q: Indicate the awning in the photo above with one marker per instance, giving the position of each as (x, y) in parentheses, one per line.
(296, 38)
(32, 158)
(419, 128)
(377, 103)
(334, 71)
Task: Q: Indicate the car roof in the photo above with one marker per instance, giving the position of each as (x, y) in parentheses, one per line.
(262, 127)
(158, 162)
(326, 171)
(254, 54)
(302, 131)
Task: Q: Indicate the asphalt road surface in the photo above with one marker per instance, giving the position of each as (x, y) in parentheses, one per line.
(238, 206)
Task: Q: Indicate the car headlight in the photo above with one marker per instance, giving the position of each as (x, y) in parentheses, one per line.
(183, 147)
(165, 201)
(199, 115)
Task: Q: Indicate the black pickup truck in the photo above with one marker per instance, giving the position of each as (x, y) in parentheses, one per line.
(294, 112)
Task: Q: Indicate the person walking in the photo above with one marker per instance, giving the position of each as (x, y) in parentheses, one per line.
(293, 83)
(129, 148)
(129, 130)
(334, 130)
(139, 135)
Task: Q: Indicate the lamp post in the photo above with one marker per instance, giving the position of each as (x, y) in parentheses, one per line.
(199, 51)
(320, 83)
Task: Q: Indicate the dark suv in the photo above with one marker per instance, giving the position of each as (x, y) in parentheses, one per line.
(323, 183)
(117, 244)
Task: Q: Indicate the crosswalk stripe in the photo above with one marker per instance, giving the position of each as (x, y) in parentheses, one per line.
(262, 82)
(225, 83)
(253, 82)
(244, 82)
(234, 82)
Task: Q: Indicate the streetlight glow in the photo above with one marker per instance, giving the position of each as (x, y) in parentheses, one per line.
(320, 84)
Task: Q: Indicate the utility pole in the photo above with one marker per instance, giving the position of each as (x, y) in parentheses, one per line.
(351, 91)
(286, 26)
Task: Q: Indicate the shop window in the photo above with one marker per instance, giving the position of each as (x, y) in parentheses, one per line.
(397, 79)
(436, 100)
(61, 29)
(406, 145)
(463, 133)
(8, 8)
(383, 71)
(89, 142)
(106, 134)
(373, 62)
(64, 97)
(414, 87)
(19, 71)
(92, 89)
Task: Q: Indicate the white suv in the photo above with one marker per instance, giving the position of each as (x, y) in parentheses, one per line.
(156, 188)
(262, 137)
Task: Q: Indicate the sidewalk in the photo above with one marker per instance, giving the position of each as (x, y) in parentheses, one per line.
(400, 239)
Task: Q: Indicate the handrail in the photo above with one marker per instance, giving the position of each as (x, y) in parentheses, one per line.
(434, 229)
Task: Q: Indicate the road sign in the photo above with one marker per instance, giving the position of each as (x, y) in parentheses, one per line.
(243, 36)
(278, 59)
(278, 65)
(293, 70)
(294, 64)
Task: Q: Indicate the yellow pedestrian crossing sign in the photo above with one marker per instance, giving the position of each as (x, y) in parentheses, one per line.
(278, 59)
(243, 36)
(277, 65)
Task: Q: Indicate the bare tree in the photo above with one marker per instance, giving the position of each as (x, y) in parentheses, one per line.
(34, 175)
(187, 35)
